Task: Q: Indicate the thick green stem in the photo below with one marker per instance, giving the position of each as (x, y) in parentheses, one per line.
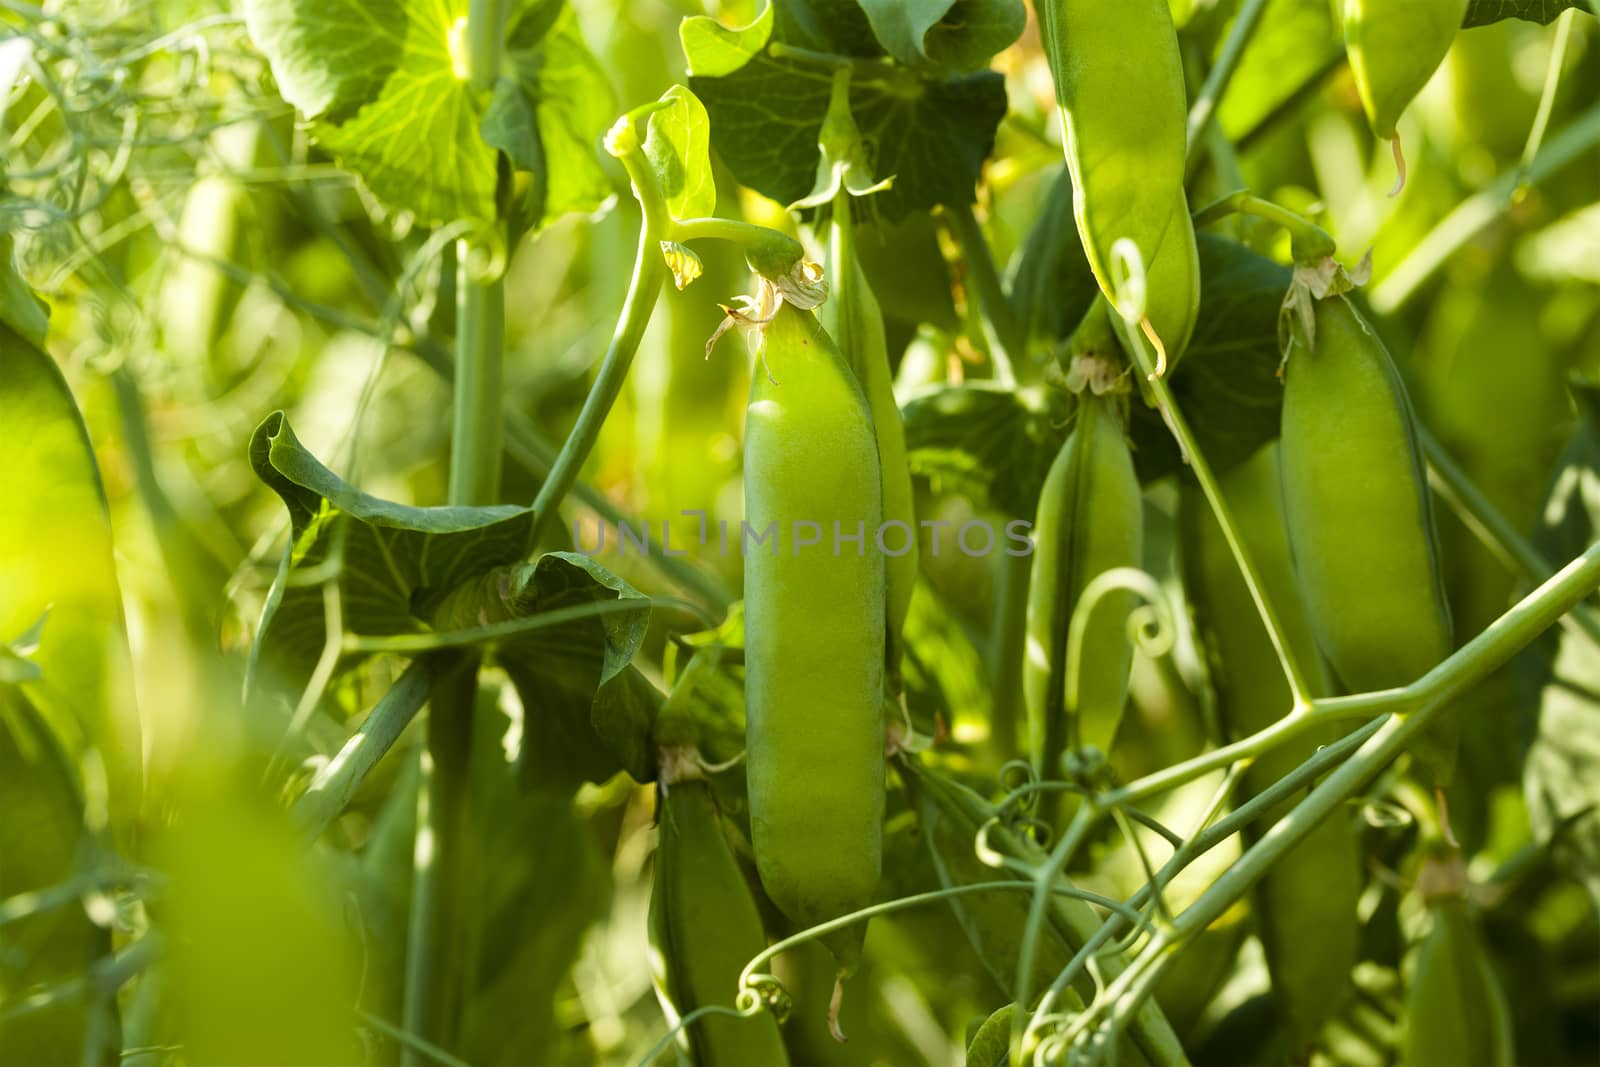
(1308, 241)
(649, 271)
(1293, 672)
(1000, 328)
(486, 33)
(477, 438)
(768, 251)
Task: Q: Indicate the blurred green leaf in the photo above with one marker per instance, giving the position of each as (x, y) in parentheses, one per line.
(56, 564)
(20, 309)
(952, 35)
(714, 50)
(1052, 286)
(986, 442)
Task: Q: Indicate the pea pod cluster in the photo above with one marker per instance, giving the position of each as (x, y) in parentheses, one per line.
(1359, 516)
(1119, 85)
(1312, 893)
(1090, 520)
(704, 928)
(814, 629)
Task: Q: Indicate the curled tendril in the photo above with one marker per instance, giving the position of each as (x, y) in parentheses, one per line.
(1383, 814)
(1015, 776)
(1151, 628)
(763, 992)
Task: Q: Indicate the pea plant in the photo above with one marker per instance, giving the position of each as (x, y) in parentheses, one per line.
(817, 532)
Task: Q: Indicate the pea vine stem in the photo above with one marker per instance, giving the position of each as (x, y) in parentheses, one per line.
(1423, 702)
(649, 273)
(1006, 344)
(1204, 110)
(1293, 672)
(1309, 241)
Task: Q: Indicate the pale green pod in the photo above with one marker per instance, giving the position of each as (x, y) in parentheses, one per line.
(1090, 520)
(704, 928)
(814, 626)
(853, 319)
(1395, 46)
(1359, 516)
(1119, 83)
(1456, 1010)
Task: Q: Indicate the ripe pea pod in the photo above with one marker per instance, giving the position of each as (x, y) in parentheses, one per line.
(1395, 46)
(952, 817)
(1359, 517)
(852, 318)
(704, 928)
(1119, 84)
(814, 630)
(1455, 1010)
(1090, 520)
(1311, 894)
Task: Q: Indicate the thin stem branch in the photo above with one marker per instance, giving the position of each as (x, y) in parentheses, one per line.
(1308, 241)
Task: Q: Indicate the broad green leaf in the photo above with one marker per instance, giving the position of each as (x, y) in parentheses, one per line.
(678, 145)
(995, 445)
(56, 565)
(399, 563)
(386, 87)
(839, 27)
(930, 136)
(329, 58)
(713, 50)
(40, 838)
(1052, 286)
(1227, 385)
(986, 442)
(954, 35)
(1544, 12)
(591, 710)
(1560, 715)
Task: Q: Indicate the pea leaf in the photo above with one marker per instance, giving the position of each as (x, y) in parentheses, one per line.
(713, 50)
(1544, 12)
(398, 565)
(952, 35)
(995, 445)
(385, 85)
(56, 562)
(986, 442)
(20, 309)
(678, 145)
(1052, 285)
(1227, 385)
(930, 134)
(1560, 715)
(409, 570)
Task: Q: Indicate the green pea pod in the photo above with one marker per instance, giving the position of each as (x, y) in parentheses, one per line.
(1455, 1011)
(704, 928)
(1359, 517)
(1310, 896)
(952, 818)
(1119, 83)
(1395, 46)
(1090, 520)
(852, 318)
(814, 628)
